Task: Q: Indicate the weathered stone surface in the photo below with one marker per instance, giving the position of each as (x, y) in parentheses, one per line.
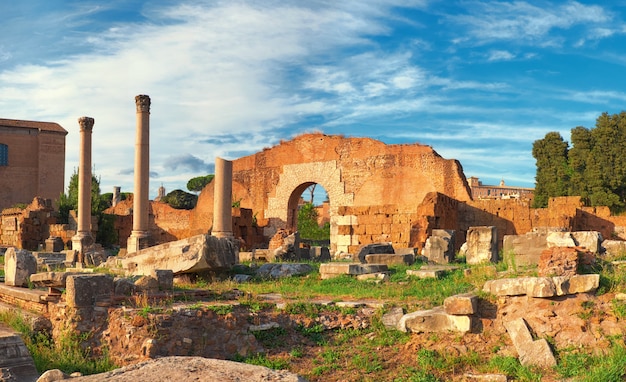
(54, 244)
(584, 283)
(195, 254)
(51, 279)
(147, 284)
(523, 250)
(284, 245)
(390, 259)
(86, 290)
(165, 278)
(191, 369)
(560, 239)
(434, 320)
(278, 270)
(531, 353)
(19, 264)
(239, 278)
(317, 253)
(378, 248)
(15, 358)
(591, 240)
(558, 261)
(123, 286)
(614, 248)
(440, 246)
(329, 270)
(429, 273)
(378, 277)
(482, 245)
(53, 376)
(392, 317)
(461, 304)
(531, 286)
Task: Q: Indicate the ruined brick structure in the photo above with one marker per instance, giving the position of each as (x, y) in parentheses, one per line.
(373, 188)
(32, 161)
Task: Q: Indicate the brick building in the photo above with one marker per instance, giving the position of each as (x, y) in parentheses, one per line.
(501, 191)
(32, 161)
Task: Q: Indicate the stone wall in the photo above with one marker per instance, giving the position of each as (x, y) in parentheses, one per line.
(36, 161)
(27, 228)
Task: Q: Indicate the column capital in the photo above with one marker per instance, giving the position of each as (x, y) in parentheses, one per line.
(143, 103)
(86, 123)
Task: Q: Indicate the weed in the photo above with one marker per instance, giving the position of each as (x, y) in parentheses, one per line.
(368, 363)
(220, 309)
(512, 367)
(297, 352)
(271, 338)
(314, 333)
(261, 359)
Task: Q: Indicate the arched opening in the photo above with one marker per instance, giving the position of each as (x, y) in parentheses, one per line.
(311, 199)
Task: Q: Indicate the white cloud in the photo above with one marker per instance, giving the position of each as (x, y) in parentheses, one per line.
(500, 55)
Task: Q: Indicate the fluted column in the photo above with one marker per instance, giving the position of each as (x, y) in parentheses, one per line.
(139, 237)
(223, 199)
(83, 238)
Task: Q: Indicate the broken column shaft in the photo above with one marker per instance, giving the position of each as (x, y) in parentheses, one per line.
(223, 199)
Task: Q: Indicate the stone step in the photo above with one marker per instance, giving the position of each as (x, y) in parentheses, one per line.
(434, 320)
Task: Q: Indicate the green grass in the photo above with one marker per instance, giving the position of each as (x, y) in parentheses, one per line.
(588, 368)
(260, 359)
(66, 353)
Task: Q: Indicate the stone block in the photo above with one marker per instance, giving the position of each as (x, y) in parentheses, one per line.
(280, 270)
(16, 363)
(482, 245)
(531, 286)
(19, 264)
(390, 259)
(51, 279)
(245, 256)
(317, 253)
(194, 254)
(86, 290)
(165, 278)
(440, 246)
(426, 273)
(531, 353)
(70, 256)
(614, 248)
(470, 377)
(329, 270)
(147, 284)
(392, 318)
(54, 244)
(377, 277)
(591, 240)
(558, 261)
(461, 304)
(378, 248)
(523, 250)
(560, 239)
(434, 320)
(584, 283)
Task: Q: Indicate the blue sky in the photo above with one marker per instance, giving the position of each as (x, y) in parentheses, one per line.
(479, 81)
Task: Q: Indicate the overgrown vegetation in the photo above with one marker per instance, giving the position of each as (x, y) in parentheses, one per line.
(308, 226)
(197, 184)
(66, 353)
(594, 168)
(106, 235)
(180, 200)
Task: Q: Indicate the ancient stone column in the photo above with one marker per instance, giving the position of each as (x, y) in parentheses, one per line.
(139, 237)
(117, 197)
(83, 239)
(223, 199)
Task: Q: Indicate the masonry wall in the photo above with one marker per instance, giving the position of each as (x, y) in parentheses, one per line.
(36, 165)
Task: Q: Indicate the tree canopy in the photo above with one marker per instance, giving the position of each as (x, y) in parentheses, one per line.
(307, 224)
(197, 184)
(593, 168)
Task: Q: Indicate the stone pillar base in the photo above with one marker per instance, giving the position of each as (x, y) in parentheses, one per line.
(81, 243)
(223, 234)
(138, 240)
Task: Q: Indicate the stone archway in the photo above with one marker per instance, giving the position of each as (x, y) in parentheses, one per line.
(293, 180)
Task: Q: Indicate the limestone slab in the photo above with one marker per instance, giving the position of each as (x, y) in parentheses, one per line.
(535, 353)
(461, 304)
(434, 320)
(15, 359)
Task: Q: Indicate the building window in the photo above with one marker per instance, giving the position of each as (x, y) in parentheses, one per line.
(4, 155)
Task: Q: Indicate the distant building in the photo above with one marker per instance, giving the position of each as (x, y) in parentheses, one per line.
(501, 191)
(32, 161)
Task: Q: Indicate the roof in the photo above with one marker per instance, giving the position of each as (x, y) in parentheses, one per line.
(43, 126)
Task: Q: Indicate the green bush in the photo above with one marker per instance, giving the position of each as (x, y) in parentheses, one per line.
(180, 200)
